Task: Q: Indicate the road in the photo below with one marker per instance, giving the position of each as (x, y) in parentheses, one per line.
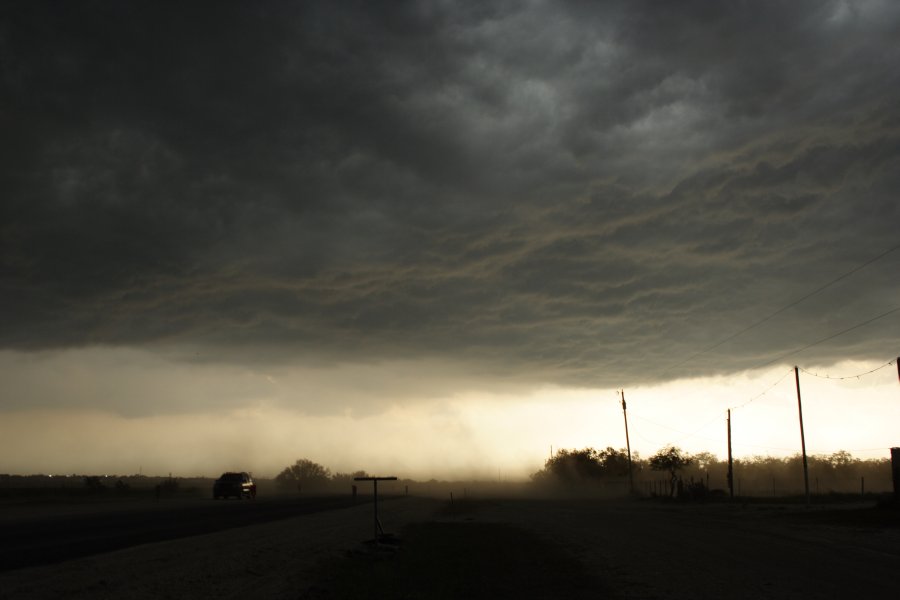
(277, 559)
(688, 552)
(49, 537)
(641, 550)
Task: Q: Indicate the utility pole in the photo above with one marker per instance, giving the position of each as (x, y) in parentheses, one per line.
(895, 457)
(730, 461)
(802, 436)
(628, 445)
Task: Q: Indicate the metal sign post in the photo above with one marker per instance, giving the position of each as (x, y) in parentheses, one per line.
(379, 530)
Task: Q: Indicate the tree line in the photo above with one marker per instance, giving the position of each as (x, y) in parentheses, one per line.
(839, 472)
(667, 472)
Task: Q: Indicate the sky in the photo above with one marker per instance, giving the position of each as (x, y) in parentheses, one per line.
(435, 238)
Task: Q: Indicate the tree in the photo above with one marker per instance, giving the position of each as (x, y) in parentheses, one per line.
(303, 474)
(342, 480)
(704, 460)
(573, 466)
(615, 462)
(670, 459)
(579, 466)
(842, 460)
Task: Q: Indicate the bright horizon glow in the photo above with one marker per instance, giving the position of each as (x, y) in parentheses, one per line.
(474, 434)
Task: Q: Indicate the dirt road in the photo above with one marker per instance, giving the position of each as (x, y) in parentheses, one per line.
(637, 550)
(42, 538)
(276, 559)
(708, 551)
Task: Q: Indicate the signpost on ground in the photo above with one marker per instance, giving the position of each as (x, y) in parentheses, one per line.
(379, 530)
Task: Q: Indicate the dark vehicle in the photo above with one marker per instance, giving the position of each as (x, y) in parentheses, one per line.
(239, 485)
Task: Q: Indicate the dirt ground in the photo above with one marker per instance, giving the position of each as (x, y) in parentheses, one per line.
(647, 550)
(638, 550)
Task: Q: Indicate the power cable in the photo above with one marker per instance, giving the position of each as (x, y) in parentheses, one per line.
(649, 441)
(888, 448)
(655, 423)
(784, 308)
(699, 429)
(857, 376)
(764, 392)
(742, 445)
(684, 433)
(767, 390)
(825, 339)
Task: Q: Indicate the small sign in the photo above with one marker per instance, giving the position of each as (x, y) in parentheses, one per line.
(379, 530)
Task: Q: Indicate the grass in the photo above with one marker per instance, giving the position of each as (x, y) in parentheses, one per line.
(459, 560)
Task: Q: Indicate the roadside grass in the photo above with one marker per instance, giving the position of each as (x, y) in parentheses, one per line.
(459, 560)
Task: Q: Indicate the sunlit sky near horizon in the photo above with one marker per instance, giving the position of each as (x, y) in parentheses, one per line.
(436, 238)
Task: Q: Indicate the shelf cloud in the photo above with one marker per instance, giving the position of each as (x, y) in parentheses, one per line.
(578, 194)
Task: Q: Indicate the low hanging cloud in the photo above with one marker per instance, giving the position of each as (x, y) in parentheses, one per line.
(579, 194)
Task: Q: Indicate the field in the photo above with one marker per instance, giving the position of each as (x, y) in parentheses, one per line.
(504, 548)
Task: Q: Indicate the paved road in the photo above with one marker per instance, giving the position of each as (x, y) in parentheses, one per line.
(48, 538)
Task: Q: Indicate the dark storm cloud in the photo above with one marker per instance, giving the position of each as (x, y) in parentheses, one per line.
(577, 192)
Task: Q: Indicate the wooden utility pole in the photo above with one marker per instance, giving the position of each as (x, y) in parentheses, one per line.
(802, 436)
(627, 445)
(895, 457)
(730, 461)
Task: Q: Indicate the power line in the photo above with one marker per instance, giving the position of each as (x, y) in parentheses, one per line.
(882, 448)
(764, 392)
(857, 376)
(655, 423)
(766, 447)
(699, 429)
(646, 439)
(830, 337)
(784, 308)
(886, 449)
(684, 433)
(687, 435)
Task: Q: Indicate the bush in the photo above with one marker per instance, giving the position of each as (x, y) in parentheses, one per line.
(304, 475)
